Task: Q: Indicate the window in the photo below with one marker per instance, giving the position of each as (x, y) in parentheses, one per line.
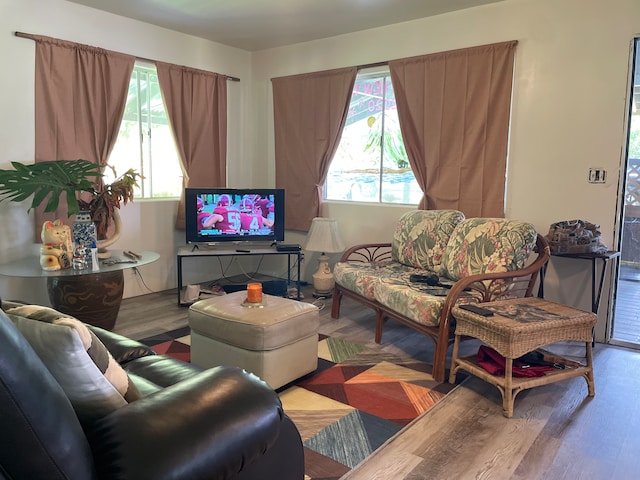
(371, 163)
(145, 142)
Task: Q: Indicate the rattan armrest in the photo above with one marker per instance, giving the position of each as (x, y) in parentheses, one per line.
(367, 252)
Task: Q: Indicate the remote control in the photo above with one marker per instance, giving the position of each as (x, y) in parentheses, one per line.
(477, 310)
(432, 280)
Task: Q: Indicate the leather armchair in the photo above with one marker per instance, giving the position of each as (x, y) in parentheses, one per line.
(221, 423)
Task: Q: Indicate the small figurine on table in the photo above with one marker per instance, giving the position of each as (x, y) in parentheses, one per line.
(56, 251)
(80, 253)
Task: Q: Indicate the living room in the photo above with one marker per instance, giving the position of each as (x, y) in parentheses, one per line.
(558, 69)
(570, 102)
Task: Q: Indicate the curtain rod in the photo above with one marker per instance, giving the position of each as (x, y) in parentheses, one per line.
(372, 65)
(30, 36)
(362, 67)
(386, 62)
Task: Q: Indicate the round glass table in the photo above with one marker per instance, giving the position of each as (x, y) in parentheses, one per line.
(90, 296)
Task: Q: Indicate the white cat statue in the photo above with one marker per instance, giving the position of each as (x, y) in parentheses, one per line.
(57, 247)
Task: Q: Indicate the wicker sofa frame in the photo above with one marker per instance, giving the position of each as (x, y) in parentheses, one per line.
(485, 288)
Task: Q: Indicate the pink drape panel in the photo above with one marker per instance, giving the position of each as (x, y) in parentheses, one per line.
(454, 110)
(80, 95)
(196, 103)
(310, 111)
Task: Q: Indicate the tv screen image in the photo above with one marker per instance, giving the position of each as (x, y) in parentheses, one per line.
(214, 215)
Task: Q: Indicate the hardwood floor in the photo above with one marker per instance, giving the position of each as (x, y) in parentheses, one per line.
(146, 315)
(557, 432)
(627, 317)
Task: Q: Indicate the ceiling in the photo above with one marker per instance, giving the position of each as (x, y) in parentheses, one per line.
(260, 24)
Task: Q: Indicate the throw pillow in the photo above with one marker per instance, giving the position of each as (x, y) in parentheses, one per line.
(94, 382)
(421, 236)
(487, 245)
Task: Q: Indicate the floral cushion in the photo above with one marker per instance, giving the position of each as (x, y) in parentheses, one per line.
(388, 283)
(452, 246)
(362, 277)
(413, 300)
(421, 236)
(487, 245)
(410, 301)
(359, 277)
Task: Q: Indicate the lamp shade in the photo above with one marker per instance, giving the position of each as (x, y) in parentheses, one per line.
(323, 236)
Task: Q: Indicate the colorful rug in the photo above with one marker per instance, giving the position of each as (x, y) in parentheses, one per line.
(352, 404)
(176, 343)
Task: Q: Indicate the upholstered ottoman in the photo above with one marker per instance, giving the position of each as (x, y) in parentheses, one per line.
(278, 343)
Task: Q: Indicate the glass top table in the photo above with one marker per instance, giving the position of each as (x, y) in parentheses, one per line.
(92, 296)
(30, 266)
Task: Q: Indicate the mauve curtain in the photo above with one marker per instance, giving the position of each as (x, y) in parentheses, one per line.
(196, 103)
(80, 95)
(454, 110)
(309, 111)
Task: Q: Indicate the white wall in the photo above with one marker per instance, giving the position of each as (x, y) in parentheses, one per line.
(569, 103)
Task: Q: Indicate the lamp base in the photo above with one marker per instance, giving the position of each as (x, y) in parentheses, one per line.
(328, 294)
(323, 279)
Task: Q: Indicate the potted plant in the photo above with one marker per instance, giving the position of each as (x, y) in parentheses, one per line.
(48, 180)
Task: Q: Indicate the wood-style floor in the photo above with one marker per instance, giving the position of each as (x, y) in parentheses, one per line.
(557, 432)
(627, 315)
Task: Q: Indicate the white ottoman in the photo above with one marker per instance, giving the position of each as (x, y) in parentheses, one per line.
(278, 343)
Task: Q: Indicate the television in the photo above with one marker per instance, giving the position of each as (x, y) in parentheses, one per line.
(218, 215)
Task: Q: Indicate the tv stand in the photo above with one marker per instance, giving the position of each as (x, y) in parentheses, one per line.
(235, 250)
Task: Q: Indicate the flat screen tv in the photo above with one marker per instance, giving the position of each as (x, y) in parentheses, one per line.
(217, 215)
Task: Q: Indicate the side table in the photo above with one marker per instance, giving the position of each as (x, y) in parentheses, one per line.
(596, 284)
(520, 326)
(90, 296)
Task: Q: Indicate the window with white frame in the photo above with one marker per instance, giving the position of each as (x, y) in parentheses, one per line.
(371, 163)
(145, 142)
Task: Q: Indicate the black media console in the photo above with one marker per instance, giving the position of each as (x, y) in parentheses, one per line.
(230, 251)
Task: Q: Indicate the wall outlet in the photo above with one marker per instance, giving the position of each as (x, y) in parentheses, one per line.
(597, 175)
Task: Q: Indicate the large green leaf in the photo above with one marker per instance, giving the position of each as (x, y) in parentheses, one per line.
(47, 181)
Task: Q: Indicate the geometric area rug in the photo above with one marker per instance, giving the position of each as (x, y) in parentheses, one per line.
(355, 401)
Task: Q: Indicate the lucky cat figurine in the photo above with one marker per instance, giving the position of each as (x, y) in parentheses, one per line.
(56, 250)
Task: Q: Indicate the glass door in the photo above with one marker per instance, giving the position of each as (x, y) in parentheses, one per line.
(626, 318)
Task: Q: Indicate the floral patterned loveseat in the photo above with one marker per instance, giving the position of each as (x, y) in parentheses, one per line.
(475, 259)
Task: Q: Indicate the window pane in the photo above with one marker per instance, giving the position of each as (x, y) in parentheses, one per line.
(145, 142)
(371, 164)
(399, 185)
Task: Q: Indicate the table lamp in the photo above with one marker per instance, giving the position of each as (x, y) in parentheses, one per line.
(323, 237)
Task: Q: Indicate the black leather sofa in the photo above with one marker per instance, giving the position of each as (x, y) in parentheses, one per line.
(221, 423)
